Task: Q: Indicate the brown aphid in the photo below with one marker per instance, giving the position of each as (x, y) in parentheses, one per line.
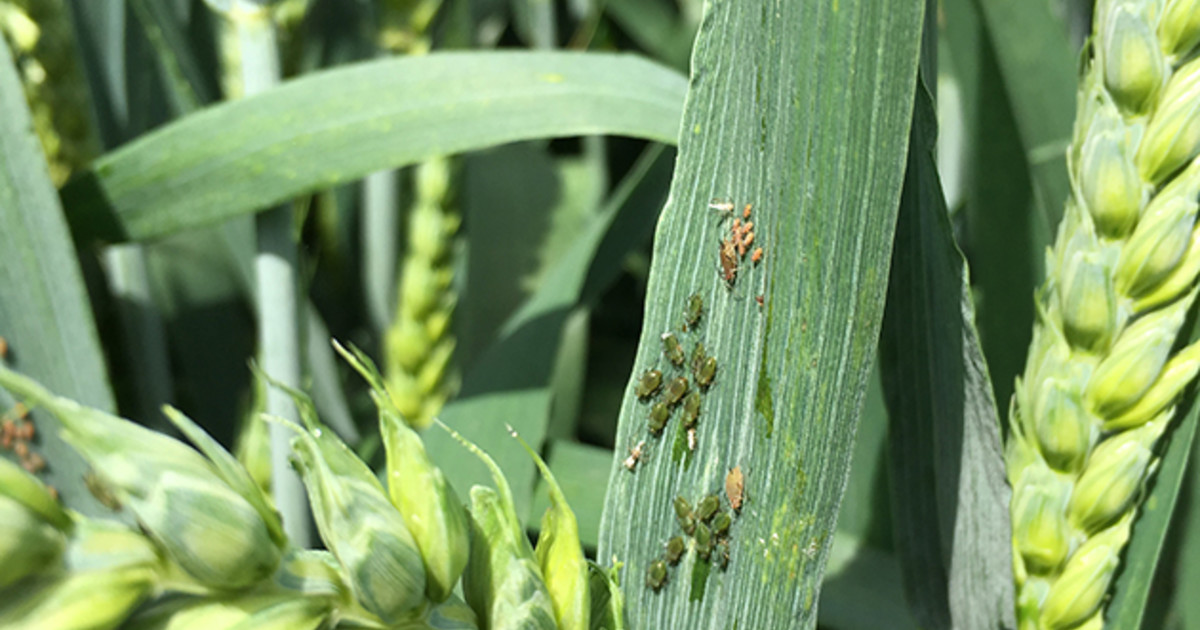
(748, 240)
(757, 256)
(21, 448)
(759, 299)
(3, 347)
(735, 488)
(635, 454)
(746, 211)
(34, 463)
(729, 262)
(25, 431)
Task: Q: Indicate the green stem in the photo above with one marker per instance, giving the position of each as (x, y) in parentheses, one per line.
(275, 267)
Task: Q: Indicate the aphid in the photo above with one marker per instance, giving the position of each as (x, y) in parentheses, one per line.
(747, 241)
(735, 488)
(100, 491)
(759, 299)
(687, 524)
(729, 262)
(704, 541)
(691, 314)
(656, 575)
(724, 206)
(675, 549)
(3, 347)
(721, 523)
(649, 383)
(757, 256)
(34, 463)
(697, 357)
(676, 390)
(723, 553)
(691, 410)
(659, 414)
(25, 431)
(691, 438)
(635, 454)
(708, 508)
(746, 211)
(21, 448)
(682, 507)
(672, 349)
(707, 372)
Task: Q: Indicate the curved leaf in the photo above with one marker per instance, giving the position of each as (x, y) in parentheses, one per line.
(336, 126)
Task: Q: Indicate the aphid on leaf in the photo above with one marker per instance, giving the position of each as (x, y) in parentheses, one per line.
(723, 554)
(729, 262)
(656, 575)
(724, 206)
(704, 541)
(746, 211)
(649, 383)
(676, 391)
(672, 349)
(691, 410)
(635, 454)
(682, 507)
(683, 514)
(691, 314)
(735, 488)
(708, 508)
(757, 256)
(697, 359)
(721, 523)
(759, 299)
(675, 549)
(659, 414)
(707, 372)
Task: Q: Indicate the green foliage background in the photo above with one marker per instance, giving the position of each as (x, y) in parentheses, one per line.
(905, 162)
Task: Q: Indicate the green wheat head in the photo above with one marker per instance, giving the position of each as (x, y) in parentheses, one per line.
(1103, 372)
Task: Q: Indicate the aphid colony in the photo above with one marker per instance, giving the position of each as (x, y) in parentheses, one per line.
(17, 434)
(734, 246)
(694, 374)
(705, 530)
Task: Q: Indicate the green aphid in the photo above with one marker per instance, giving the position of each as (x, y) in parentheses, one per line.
(691, 314)
(659, 414)
(687, 524)
(676, 390)
(682, 507)
(675, 549)
(708, 508)
(706, 372)
(721, 523)
(697, 359)
(649, 383)
(691, 410)
(723, 553)
(704, 541)
(672, 349)
(656, 575)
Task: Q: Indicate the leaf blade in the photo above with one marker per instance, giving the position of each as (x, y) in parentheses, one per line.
(238, 157)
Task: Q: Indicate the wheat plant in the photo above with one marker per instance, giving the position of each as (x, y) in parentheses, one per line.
(1104, 369)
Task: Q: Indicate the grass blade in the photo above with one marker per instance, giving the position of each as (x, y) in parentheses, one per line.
(950, 494)
(45, 316)
(802, 109)
(239, 157)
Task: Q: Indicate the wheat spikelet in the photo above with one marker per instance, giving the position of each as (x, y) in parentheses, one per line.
(1101, 379)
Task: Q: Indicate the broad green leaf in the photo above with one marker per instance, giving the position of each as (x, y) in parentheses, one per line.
(45, 316)
(801, 109)
(950, 494)
(338, 125)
